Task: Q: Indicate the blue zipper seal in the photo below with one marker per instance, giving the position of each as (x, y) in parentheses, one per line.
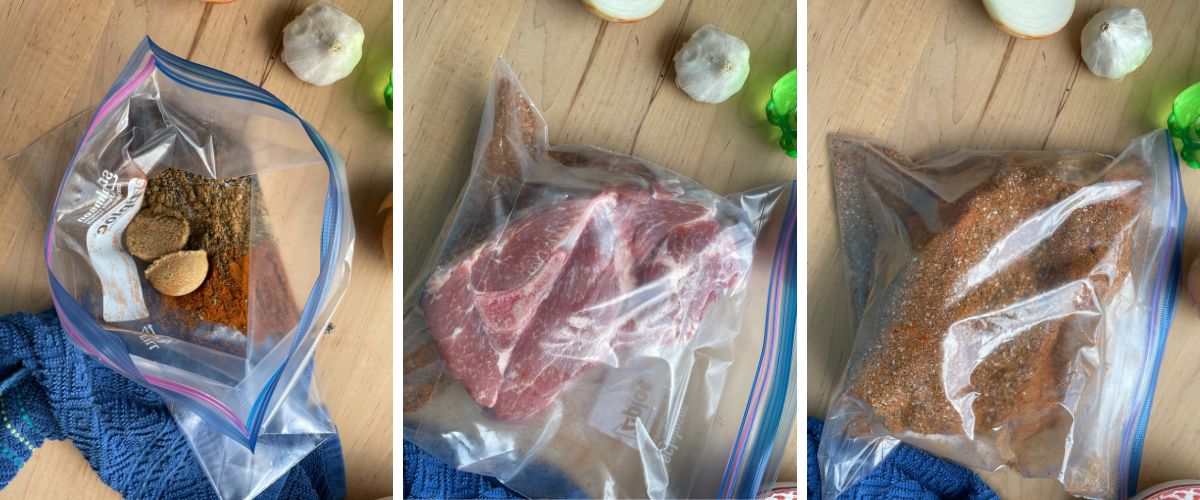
(769, 429)
(777, 390)
(215, 82)
(1164, 315)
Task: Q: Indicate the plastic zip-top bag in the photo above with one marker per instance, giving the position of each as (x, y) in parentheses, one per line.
(1010, 308)
(260, 195)
(580, 329)
(301, 424)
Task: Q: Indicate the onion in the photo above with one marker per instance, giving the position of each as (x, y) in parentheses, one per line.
(1030, 18)
(623, 11)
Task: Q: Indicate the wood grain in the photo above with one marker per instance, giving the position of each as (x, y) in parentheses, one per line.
(610, 85)
(939, 75)
(58, 58)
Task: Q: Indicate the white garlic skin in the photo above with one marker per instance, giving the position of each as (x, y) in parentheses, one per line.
(1115, 42)
(712, 65)
(323, 44)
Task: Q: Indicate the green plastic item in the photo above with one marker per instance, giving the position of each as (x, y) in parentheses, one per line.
(387, 92)
(1184, 124)
(781, 111)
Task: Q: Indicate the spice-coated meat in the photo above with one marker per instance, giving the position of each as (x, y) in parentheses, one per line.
(993, 309)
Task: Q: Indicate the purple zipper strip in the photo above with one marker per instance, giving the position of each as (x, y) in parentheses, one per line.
(156, 381)
(121, 94)
(197, 394)
(117, 98)
(75, 335)
(166, 384)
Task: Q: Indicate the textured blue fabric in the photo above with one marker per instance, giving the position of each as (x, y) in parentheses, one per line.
(427, 477)
(907, 473)
(49, 389)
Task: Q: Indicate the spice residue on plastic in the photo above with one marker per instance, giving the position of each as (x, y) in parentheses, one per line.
(986, 319)
(956, 280)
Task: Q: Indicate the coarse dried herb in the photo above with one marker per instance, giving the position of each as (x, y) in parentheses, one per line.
(218, 211)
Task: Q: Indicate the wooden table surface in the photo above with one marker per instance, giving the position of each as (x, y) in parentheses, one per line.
(933, 75)
(610, 85)
(58, 58)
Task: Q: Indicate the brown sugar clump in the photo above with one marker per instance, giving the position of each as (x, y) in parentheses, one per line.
(150, 236)
(179, 273)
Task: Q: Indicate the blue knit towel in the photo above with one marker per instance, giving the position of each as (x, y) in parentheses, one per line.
(49, 389)
(906, 473)
(427, 477)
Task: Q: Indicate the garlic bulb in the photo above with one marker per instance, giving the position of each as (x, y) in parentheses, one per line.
(323, 44)
(1115, 42)
(712, 65)
(1030, 18)
(623, 11)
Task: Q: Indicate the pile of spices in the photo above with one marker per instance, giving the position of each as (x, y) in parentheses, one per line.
(990, 323)
(225, 221)
(218, 214)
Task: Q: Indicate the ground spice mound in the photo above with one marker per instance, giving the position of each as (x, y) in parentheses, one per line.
(218, 213)
(245, 275)
(993, 309)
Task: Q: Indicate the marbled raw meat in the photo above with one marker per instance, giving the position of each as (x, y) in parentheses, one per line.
(570, 284)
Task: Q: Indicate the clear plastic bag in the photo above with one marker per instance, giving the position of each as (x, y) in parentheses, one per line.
(1010, 308)
(163, 113)
(580, 330)
(300, 425)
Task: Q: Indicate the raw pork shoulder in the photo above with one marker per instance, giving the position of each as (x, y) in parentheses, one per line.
(570, 284)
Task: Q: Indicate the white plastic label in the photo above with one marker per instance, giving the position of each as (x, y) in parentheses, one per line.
(632, 394)
(122, 288)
